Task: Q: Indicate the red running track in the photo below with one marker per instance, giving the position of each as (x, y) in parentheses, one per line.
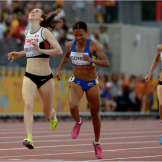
(121, 140)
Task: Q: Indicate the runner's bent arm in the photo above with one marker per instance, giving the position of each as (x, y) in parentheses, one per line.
(22, 53)
(157, 59)
(103, 61)
(56, 51)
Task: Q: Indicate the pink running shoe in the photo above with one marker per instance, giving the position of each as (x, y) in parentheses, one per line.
(98, 151)
(76, 129)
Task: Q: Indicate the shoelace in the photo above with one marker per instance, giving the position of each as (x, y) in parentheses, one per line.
(98, 149)
(56, 124)
(76, 130)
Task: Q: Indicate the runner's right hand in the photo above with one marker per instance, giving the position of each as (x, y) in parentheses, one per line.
(58, 75)
(147, 78)
(13, 56)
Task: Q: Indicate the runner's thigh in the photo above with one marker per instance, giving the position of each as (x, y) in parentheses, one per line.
(46, 92)
(93, 97)
(29, 90)
(75, 94)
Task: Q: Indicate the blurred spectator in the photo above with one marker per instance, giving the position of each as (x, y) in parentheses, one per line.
(62, 33)
(110, 15)
(2, 29)
(116, 90)
(18, 33)
(30, 5)
(94, 36)
(149, 90)
(71, 25)
(99, 6)
(80, 9)
(130, 93)
(106, 79)
(38, 5)
(99, 17)
(103, 38)
(70, 35)
(26, 14)
(139, 92)
(17, 7)
(122, 81)
(47, 8)
(106, 96)
(13, 23)
(60, 3)
(61, 14)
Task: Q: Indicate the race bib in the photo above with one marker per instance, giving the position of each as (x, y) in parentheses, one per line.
(77, 58)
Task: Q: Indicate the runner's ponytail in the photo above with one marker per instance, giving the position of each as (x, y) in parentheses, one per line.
(49, 21)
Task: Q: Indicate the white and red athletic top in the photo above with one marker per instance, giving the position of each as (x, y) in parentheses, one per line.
(29, 48)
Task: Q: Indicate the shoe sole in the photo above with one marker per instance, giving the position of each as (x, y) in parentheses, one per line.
(27, 144)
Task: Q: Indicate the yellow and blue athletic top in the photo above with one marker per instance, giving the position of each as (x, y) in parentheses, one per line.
(77, 57)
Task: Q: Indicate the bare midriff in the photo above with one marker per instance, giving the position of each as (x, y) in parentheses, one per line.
(38, 66)
(86, 73)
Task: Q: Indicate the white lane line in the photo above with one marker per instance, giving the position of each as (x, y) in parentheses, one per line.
(109, 125)
(83, 130)
(40, 160)
(140, 157)
(14, 159)
(86, 134)
(108, 143)
(48, 131)
(115, 150)
(69, 140)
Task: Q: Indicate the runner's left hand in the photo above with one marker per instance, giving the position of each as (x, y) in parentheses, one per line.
(58, 75)
(87, 58)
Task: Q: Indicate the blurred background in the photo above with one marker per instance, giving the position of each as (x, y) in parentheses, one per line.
(128, 33)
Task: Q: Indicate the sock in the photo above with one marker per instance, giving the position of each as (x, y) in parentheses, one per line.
(80, 121)
(97, 143)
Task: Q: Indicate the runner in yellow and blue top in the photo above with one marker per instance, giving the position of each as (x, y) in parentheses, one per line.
(84, 53)
(78, 60)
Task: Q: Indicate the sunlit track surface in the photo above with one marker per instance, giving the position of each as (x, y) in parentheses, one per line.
(121, 140)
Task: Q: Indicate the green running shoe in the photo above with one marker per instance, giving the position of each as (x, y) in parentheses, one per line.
(27, 142)
(54, 123)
